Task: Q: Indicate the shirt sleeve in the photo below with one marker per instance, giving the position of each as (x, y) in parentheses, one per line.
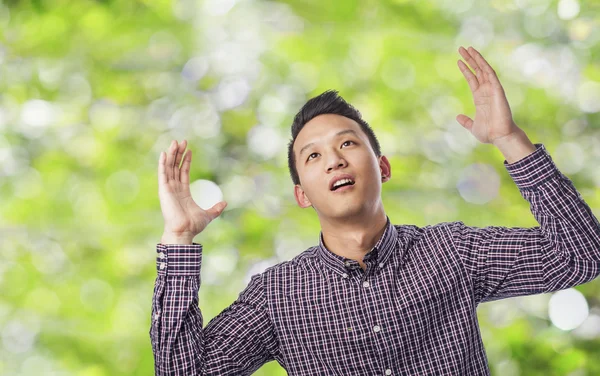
(238, 341)
(564, 251)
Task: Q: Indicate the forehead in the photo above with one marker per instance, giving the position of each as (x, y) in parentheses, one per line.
(325, 126)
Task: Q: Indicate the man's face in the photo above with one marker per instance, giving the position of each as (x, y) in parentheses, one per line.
(333, 146)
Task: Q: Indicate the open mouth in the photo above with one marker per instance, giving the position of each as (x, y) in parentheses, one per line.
(342, 183)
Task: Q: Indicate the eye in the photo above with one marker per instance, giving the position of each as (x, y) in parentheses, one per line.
(310, 156)
(348, 142)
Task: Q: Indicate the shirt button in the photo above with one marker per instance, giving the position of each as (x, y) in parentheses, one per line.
(366, 284)
(347, 263)
(381, 265)
(156, 316)
(376, 328)
(345, 275)
(161, 255)
(388, 371)
(162, 265)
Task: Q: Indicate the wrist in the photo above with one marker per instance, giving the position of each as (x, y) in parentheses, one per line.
(515, 146)
(170, 238)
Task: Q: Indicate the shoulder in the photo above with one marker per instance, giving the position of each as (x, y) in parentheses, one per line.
(413, 235)
(414, 228)
(284, 270)
(413, 232)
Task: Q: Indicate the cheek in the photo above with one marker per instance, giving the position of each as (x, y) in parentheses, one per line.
(367, 164)
(305, 175)
(309, 179)
(372, 174)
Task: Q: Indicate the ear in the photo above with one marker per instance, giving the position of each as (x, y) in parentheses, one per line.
(301, 198)
(385, 168)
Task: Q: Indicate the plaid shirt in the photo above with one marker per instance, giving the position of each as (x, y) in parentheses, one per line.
(412, 312)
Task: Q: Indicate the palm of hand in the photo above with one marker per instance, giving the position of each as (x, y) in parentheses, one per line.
(181, 211)
(493, 117)
(181, 214)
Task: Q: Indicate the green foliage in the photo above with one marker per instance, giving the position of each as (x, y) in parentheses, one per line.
(92, 91)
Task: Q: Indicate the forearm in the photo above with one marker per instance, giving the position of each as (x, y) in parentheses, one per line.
(238, 341)
(176, 318)
(565, 218)
(570, 233)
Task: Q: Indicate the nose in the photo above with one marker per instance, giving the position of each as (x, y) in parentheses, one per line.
(335, 161)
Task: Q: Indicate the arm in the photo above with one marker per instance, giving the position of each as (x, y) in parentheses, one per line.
(238, 341)
(564, 251)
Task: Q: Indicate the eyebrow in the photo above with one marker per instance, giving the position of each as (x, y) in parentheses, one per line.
(340, 133)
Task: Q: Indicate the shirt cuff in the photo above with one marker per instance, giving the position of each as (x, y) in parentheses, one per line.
(178, 259)
(533, 170)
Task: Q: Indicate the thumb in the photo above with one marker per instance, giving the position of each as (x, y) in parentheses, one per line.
(216, 209)
(465, 121)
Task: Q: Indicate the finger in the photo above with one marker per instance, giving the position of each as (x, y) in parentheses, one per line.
(490, 73)
(185, 168)
(471, 79)
(216, 210)
(162, 174)
(170, 160)
(465, 121)
(175, 166)
(180, 151)
(469, 58)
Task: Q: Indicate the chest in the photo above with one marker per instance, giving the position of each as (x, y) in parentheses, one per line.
(347, 326)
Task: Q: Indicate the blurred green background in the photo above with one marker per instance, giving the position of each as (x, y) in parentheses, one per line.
(92, 91)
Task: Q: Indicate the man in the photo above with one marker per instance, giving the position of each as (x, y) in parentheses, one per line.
(372, 298)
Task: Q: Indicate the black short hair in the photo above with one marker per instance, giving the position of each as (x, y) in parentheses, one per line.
(328, 102)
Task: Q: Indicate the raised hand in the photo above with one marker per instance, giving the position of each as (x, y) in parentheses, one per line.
(493, 118)
(183, 218)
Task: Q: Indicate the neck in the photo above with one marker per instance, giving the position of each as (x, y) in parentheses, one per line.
(354, 237)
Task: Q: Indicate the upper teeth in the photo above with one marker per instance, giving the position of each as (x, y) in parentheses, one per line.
(340, 182)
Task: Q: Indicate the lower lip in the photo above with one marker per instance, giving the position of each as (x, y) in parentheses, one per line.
(344, 188)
